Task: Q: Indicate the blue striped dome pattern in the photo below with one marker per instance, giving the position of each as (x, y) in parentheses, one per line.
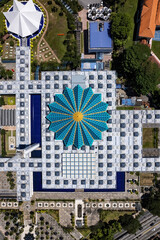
(78, 116)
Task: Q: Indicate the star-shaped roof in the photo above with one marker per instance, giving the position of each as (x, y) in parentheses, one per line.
(24, 19)
(78, 116)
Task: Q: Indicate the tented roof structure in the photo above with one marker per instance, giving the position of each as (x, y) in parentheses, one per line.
(78, 116)
(24, 19)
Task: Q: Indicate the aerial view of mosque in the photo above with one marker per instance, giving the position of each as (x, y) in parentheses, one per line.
(69, 134)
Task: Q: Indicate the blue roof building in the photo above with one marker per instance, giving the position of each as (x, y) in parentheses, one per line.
(99, 39)
(78, 116)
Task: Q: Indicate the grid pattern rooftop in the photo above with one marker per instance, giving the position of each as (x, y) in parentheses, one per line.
(79, 166)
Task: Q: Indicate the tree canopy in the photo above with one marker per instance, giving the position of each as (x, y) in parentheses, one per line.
(114, 4)
(133, 58)
(6, 74)
(105, 230)
(120, 28)
(134, 65)
(155, 99)
(151, 201)
(129, 223)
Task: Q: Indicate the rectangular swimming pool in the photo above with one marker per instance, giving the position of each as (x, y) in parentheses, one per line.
(37, 185)
(36, 118)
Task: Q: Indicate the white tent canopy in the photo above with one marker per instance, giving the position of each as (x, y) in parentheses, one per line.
(24, 20)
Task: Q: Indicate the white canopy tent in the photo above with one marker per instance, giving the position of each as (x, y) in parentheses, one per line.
(24, 20)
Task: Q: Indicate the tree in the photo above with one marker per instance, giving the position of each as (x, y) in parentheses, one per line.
(146, 79)
(129, 223)
(120, 28)
(105, 230)
(133, 58)
(49, 66)
(2, 102)
(151, 201)
(9, 74)
(155, 99)
(54, 9)
(134, 65)
(11, 43)
(61, 14)
(49, 2)
(114, 4)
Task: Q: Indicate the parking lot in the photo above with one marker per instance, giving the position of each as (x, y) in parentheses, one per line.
(85, 3)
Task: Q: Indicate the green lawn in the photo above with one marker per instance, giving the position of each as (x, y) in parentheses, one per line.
(3, 9)
(128, 108)
(57, 25)
(107, 216)
(150, 138)
(130, 8)
(1, 22)
(82, 42)
(9, 100)
(156, 48)
(84, 231)
(54, 214)
(7, 135)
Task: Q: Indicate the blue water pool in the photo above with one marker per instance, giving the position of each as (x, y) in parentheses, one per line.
(37, 185)
(36, 118)
(157, 35)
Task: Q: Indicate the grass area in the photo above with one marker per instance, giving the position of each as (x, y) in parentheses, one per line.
(7, 135)
(107, 216)
(128, 108)
(57, 24)
(156, 48)
(82, 42)
(146, 179)
(150, 137)
(54, 214)
(9, 100)
(3, 9)
(130, 8)
(1, 22)
(84, 231)
(35, 43)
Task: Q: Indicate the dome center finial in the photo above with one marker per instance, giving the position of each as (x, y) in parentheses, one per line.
(77, 116)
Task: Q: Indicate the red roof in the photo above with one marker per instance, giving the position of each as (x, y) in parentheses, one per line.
(150, 16)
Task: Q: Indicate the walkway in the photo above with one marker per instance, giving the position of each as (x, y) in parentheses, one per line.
(9, 107)
(43, 34)
(53, 55)
(83, 15)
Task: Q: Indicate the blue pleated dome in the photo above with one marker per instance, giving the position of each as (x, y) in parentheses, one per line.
(78, 116)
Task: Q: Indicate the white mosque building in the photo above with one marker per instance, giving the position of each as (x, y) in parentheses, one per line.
(23, 19)
(101, 141)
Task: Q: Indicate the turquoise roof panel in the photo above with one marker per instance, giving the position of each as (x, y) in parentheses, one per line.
(78, 117)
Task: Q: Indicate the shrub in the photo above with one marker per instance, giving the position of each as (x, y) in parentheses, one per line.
(11, 43)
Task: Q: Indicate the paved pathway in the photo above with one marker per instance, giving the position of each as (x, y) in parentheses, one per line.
(64, 218)
(83, 15)
(9, 128)
(85, 195)
(9, 107)
(50, 50)
(43, 34)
